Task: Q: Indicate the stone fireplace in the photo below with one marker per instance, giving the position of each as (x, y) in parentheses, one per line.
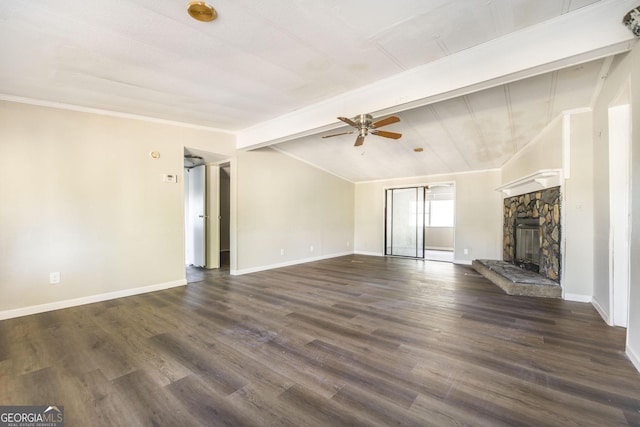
(531, 232)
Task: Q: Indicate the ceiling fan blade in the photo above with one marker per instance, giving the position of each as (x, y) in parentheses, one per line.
(349, 121)
(386, 121)
(337, 134)
(359, 141)
(385, 134)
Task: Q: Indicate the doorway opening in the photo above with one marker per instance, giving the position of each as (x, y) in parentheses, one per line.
(207, 214)
(420, 222)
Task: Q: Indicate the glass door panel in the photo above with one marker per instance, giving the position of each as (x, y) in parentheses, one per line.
(405, 222)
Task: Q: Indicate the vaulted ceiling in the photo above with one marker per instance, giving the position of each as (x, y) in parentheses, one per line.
(472, 81)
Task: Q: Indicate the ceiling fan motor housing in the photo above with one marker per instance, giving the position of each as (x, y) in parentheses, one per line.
(364, 120)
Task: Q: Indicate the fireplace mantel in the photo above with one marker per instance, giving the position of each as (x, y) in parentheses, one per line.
(544, 178)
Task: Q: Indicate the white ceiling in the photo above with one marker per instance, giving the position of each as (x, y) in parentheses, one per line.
(478, 131)
(263, 65)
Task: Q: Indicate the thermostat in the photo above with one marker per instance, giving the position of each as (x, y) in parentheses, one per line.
(168, 177)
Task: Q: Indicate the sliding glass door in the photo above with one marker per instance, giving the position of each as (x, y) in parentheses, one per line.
(404, 234)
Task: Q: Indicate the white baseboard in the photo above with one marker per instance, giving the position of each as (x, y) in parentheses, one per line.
(601, 311)
(577, 297)
(368, 253)
(462, 261)
(285, 264)
(41, 308)
(633, 357)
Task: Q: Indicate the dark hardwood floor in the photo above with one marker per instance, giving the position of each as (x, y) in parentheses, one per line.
(351, 341)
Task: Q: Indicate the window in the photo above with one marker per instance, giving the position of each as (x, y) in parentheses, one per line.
(439, 213)
(439, 207)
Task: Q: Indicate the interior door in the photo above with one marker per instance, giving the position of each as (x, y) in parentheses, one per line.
(404, 235)
(213, 217)
(198, 214)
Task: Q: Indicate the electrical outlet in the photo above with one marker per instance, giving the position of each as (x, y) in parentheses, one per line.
(54, 278)
(348, 243)
(311, 248)
(466, 251)
(281, 251)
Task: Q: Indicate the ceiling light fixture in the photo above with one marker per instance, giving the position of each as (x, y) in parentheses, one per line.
(193, 161)
(201, 11)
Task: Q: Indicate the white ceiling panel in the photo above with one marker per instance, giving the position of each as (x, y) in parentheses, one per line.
(369, 18)
(263, 61)
(490, 112)
(530, 102)
(455, 117)
(481, 130)
(457, 21)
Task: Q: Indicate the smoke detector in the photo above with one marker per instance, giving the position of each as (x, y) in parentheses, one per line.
(632, 21)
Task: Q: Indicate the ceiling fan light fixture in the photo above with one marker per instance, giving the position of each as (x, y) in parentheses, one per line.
(201, 11)
(365, 125)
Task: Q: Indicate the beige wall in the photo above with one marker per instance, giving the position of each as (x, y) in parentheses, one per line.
(625, 69)
(577, 211)
(440, 238)
(285, 205)
(478, 214)
(616, 79)
(80, 195)
(633, 330)
(545, 152)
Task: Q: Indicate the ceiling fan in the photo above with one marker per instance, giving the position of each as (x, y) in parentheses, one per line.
(365, 125)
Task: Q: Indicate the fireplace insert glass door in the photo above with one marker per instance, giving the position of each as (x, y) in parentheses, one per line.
(527, 244)
(404, 234)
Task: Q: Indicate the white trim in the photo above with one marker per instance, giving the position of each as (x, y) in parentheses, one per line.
(619, 212)
(542, 179)
(422, 177)
(62, 106)
(566, 145)
(368, 253)
(462, 261)
(285, 264)
(440, 248)
(633, 357)
(577, 297)
(57, 305)
(600, 310)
